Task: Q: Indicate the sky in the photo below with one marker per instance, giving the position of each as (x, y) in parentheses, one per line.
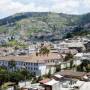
(10, 7)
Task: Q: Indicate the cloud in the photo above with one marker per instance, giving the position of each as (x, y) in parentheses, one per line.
(71, 6)
(65, 6)
(8, 7)
(15, 7)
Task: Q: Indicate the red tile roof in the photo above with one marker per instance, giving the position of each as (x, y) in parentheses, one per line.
(44, 81)
(32, 58)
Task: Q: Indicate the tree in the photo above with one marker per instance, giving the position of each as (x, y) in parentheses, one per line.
(49, 74)
(26, 73)
(16, 77)
(71, 63)
(39, 78)
(83, 66)
(69, 35)
(68, 57)
(4, 77)
(12, 64)
(58, 68)
(44, 51)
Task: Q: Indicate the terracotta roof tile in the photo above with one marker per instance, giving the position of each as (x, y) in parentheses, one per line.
(32, 58)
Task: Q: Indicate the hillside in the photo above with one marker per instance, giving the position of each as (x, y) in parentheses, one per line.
(27, 23)
(41, 16)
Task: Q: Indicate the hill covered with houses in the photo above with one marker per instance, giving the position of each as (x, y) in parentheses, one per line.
(44, 25)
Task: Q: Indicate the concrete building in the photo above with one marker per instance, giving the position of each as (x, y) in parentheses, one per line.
(38, 65)
(50, 84)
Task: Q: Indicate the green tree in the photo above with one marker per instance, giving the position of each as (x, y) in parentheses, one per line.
(49, 74)
(68, 57)
(71, 63)
(84, 66)
(39, 78)
(44, 51)
(12, 64)
(4, 77)
(58, 68)
(69, 35)
(26, 74)
(16, 76)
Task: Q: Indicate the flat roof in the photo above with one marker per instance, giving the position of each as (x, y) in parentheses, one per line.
(71, 73)
(58, 75)
(52, 82)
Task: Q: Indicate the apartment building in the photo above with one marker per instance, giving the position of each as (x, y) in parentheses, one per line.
(38, 65)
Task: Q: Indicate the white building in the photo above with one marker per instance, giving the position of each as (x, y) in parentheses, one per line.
(38, 65)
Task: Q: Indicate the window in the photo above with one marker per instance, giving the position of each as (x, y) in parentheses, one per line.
(34, 73)
(31, 63)
(36, 68)
(28, 67)
(24, 64)
(36, 64)
(31, 68)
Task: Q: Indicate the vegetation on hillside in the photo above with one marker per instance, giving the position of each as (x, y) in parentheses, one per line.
(27, 23)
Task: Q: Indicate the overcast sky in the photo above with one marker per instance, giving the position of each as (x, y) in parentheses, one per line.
(9, 7)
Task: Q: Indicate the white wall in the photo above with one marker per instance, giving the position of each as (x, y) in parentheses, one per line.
(42, 68)
(56, 86)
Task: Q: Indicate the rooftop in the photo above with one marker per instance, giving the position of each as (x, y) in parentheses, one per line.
(79, 55)
(71, 73)
(44, 81)
(52, 82)
(58, 75)
(33, 57)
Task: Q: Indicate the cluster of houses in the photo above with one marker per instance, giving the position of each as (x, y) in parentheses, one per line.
(63, 80)
(41, 64)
